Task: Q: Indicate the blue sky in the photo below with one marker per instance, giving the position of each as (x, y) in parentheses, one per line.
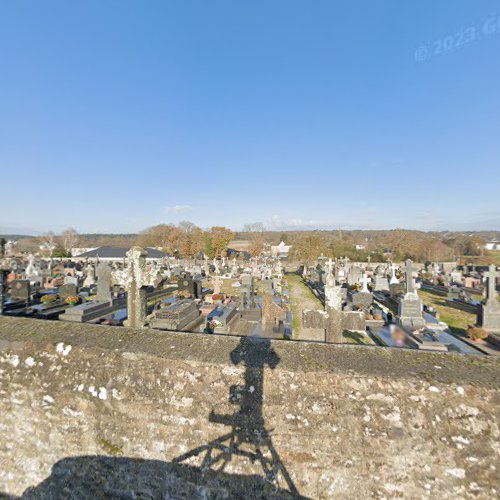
(118, 115)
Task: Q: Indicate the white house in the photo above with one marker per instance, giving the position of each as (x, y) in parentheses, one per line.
(281, 250)
(492, 245)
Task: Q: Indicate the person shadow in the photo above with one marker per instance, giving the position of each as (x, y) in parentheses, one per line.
(95, 477)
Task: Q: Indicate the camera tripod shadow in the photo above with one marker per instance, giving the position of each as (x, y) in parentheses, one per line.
(249, 437)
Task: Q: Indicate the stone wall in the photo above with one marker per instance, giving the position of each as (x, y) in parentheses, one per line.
(88, 411)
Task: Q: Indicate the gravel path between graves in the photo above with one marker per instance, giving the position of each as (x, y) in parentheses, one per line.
(302, 298)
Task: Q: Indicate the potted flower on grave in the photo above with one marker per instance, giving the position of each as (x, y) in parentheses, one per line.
(49, 298)
(476, 333)
(72, 300)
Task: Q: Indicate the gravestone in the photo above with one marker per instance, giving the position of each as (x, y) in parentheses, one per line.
(381, 283)
(410, 306)
(89, 276)
(71, 280)
(176, 316)
(396, 290)
(222, 317)
(20, 290)
(67, 290)
(217, 284)
(453, 292)
(272, 313)
(354, 276)
(136, 277)
(246, 291)
(3, 288)
(489, 313)
(190, 284)
(103, 272)
(394, 280)
(365, 280)
(363, 300)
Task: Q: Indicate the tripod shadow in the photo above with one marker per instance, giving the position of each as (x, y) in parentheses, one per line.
(248, 438)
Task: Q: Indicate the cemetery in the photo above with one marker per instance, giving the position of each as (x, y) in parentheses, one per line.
(391, 304)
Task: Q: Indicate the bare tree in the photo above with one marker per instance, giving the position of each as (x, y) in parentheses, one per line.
(69, 239)
(256, 230)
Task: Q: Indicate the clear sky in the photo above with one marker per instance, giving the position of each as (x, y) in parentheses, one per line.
(117, 115)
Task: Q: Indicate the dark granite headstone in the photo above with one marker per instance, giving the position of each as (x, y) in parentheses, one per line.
(20, 290)
(3, 286)
(186, 283)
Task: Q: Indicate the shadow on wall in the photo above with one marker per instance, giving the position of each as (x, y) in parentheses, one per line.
(248, 440)
(96, 477)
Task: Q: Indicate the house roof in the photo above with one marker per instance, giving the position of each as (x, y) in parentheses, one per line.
(118, 253)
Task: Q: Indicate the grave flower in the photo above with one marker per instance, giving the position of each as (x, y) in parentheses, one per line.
(477, 334)
(50, 297)
(72, 300)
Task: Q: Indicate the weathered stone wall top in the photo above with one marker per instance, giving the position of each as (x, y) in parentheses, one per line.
(101, 412)
(294, 356)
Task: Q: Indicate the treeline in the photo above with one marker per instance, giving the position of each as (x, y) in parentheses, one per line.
(395, 244)
(187, 240)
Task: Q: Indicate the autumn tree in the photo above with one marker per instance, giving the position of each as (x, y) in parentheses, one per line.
(308, 247)
(220, 238)
(164, 236)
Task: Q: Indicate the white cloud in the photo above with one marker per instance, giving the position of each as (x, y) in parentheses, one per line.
(178, 209)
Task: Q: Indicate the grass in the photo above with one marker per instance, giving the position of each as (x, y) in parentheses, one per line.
(226, 288)
(456, 319)
(295, 280)
(357, 338)
(492, 257)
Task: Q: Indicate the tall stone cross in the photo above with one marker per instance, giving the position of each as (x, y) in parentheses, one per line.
(491, 291)
(409, 270)
(136, 277)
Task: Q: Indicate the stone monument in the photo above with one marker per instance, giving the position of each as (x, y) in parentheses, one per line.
(410, 306)
(489, 313)
(136, 277)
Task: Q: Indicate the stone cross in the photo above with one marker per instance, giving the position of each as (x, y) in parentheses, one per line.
(409, 270)
(394, 280)
(330, 320)
(491, 292)
(329, 266)
(365, 280)
(136, 277)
